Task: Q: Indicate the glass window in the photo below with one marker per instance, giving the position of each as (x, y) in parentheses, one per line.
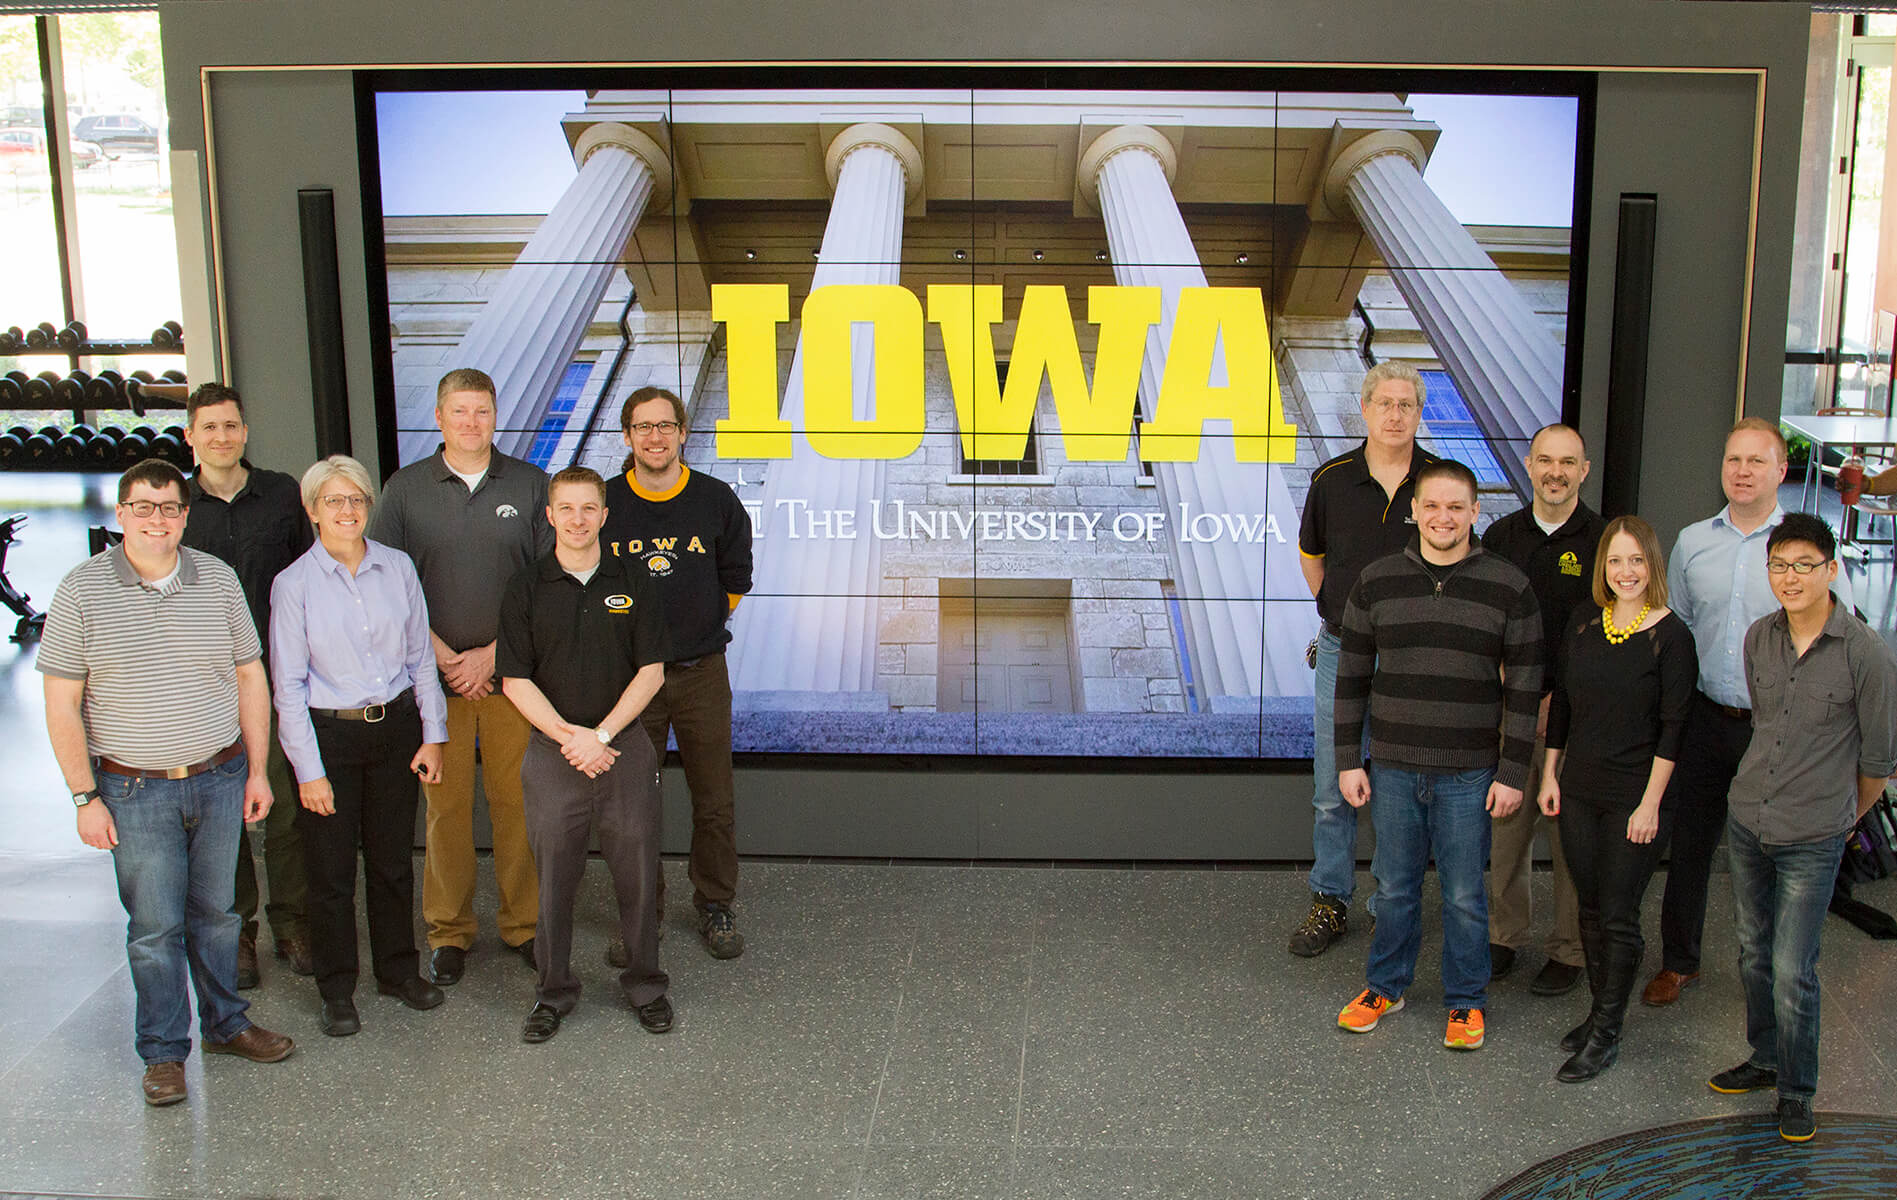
(558, 413)
(31, 293)
(128, 254)
(1453, 432)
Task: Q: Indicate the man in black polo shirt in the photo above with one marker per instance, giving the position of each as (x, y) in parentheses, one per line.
(1358, 510)
(253, 520)
(1553, 542)
(582, 650)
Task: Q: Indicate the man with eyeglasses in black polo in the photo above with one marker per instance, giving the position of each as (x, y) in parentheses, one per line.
(693, 537)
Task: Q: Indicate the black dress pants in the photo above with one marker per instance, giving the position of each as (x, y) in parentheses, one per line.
(376, 795)
(1610, 873)
(1692, 820)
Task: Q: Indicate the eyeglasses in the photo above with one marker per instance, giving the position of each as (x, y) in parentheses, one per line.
(338, 503)
(143, 509)
(668, 428)
(1408, 408)
(1779, 566)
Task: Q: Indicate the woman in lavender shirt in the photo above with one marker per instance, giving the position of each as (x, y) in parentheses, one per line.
(361, 716)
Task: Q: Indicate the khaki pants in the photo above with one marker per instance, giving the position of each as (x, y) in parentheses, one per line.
(449, 864)
(1511, 855)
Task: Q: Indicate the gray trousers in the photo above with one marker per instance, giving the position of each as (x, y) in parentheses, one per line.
(563, 809)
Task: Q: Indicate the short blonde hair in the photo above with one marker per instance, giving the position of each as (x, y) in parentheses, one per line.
(1641, 532)
(336, 466)
(1392, 370)
(465, 379)
(1760, 425)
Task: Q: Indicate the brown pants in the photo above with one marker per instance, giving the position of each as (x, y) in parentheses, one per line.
(1511, 856)
(449, 864)
(696, 703)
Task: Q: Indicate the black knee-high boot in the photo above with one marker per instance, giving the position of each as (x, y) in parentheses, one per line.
(1595, 955)
(1610, 1008)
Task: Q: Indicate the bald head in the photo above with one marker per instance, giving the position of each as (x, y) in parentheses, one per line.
(1557, 463)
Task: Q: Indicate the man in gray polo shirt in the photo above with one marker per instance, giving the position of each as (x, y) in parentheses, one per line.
(470, 517)
(1822, 687)
(159, 714)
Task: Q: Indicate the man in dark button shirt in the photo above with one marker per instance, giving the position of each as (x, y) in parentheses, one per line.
(1358, 510)
(1553, 542)
(1822, 687)
(253, 520)
(582, 651)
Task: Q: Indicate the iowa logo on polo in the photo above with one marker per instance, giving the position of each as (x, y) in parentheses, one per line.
(1570, 565)
(619, 602)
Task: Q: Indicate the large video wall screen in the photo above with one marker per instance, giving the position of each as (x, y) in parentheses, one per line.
(1022, 380)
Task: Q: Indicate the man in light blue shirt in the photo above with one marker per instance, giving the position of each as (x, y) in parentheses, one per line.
(1717, 583)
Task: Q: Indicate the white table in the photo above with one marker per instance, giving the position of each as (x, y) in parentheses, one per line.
(1836, 431)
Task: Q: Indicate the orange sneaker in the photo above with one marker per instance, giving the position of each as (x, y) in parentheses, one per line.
(1362, 1014)
(1465, 1029)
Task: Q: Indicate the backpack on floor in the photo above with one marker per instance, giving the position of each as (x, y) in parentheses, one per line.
(1870, 852)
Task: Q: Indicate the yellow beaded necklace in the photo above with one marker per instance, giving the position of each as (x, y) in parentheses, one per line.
(1616, 636)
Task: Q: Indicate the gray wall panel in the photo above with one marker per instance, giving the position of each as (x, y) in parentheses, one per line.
(1687, 138)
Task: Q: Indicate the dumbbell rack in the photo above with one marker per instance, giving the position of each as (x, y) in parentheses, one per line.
(83, 448)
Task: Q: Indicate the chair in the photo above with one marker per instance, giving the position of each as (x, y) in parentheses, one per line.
(1864, 531)
(1873, 463)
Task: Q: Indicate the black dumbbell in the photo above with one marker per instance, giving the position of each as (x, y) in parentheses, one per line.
(170, 446)
(13, 389)
(12, 339)
(12, 448)
(136, 446)
(39, 390)
(172, 376)
(135, 389)
(71, 338)
(71, 445)
(41, 336)
(70, 392)
(42, 446)
(105, 390)
(102, 448)
(168, 336)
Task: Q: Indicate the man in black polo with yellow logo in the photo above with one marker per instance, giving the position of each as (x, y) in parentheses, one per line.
(1553, 542)
(1358, 510)
(582, 651)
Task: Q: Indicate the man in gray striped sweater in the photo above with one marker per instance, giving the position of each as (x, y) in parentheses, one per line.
(1441, 648)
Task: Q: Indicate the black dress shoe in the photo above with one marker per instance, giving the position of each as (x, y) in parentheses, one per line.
(542, 1023)
(1575, 1038)
(655, 1017)
(1554, 979)
(447, 963)
(340, 1019)
(1501, 960)
(416, 992)
(526, 952)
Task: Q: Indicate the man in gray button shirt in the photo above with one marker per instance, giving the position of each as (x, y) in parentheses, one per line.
(470, 517)
(1822, 688)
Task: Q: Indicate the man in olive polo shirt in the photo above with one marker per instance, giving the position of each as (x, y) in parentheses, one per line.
(470, 517)
(1357, 511)
(582, 651)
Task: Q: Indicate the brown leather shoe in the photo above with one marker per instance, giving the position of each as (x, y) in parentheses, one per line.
(1664, 988)
(247, 974)
(164, 1083)
(295, 950)
(256, 1044)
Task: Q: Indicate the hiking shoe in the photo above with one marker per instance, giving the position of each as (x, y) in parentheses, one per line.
(719, 929)
(1742, 1079)
(1465, 1029)
(1362, 1014)
(1327, 921)
(1795, 1120)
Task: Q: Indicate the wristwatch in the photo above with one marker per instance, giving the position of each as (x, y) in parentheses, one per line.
(605, 739)
(81, 799)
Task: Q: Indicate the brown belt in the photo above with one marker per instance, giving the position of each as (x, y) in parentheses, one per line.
(1737, 714)
(216, 760)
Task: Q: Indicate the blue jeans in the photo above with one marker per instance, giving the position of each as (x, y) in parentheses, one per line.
(177, 871)
(1334, 823)
(1782, 893)
(1417, 814)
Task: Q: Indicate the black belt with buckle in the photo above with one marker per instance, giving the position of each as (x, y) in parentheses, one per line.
(371, 713)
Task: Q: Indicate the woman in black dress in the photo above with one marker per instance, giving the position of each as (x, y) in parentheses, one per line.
(1624, 679)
